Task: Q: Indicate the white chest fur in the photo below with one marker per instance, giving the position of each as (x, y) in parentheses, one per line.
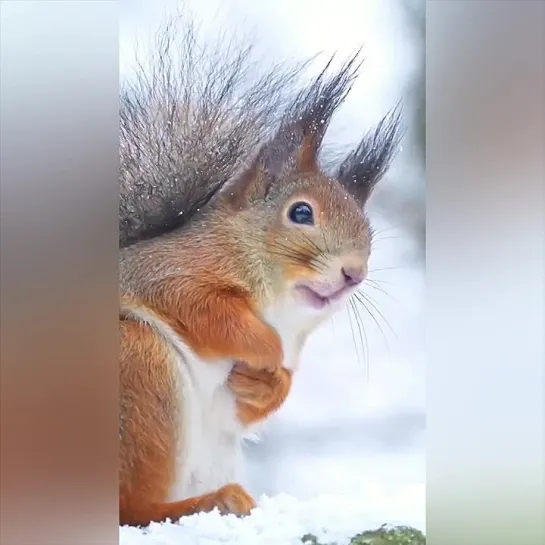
(291, 320)
(211, 437)
(210, 442)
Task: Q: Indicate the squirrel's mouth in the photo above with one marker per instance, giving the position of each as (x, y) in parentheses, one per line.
(317, 300)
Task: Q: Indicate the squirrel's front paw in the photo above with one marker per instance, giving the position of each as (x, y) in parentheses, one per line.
(271, 353)
(258, 393)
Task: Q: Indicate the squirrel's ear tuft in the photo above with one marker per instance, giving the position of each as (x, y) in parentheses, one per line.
(363, 168)
(296, 145)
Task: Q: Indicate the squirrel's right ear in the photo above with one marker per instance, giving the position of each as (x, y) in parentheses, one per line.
(296, 146)
(294, 149)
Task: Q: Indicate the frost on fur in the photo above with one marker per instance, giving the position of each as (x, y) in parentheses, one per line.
(194, 113)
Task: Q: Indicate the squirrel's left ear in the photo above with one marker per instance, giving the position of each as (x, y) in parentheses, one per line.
(363, 168)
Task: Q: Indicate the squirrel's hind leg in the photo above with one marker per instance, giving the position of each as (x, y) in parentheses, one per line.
(150, 417)
(230, 499)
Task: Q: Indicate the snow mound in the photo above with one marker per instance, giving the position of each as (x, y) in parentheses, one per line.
(280, 520)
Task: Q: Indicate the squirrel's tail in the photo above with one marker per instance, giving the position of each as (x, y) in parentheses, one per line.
(194, 112)
(191, 113)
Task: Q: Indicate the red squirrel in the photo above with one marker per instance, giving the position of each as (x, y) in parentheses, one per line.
(235, 246)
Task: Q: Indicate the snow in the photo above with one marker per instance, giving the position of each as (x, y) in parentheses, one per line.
(282, 520)
(346, 452)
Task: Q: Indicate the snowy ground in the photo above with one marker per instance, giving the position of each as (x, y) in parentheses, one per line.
(353, 427)
(282, 520)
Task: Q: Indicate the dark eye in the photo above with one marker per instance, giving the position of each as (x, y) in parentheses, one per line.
(301, 213)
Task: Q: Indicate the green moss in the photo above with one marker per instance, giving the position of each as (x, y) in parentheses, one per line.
(400, 535)
(309, 539)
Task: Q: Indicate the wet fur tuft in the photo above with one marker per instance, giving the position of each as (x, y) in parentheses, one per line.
(363, 168)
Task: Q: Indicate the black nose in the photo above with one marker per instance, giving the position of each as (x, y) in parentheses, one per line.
(353, 275)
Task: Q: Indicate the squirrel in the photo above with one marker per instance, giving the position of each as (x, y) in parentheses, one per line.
(236, 243)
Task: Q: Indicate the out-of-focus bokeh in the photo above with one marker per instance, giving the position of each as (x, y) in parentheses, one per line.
(355, 420)
(485, 265)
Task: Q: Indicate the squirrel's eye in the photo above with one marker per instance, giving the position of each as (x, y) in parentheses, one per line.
(301, 213)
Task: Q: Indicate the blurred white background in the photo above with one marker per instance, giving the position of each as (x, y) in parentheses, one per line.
(355, 421)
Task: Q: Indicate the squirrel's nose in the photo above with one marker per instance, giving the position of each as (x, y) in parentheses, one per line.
(353, 275)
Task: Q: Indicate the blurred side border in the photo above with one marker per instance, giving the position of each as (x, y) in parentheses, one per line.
(485, 145)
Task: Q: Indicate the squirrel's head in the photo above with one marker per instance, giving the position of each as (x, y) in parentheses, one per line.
(308, 228)
(310, 233)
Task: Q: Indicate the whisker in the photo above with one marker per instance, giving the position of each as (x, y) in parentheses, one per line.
(286, 250)
(332, 318)
(384, 292)
(325, 239)
(383, 231)
(309, 241)
(381, 239)
(352, 331)
(372, 303)
(294, 259)
(363, 336)
(309, 244)
(308, 247)
(379, 281)
(372, 316)
(298, 261)
(385, 269)
(291, 252)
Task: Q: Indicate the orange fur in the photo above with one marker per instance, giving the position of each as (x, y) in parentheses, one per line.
(259, 393)
(218, 321)
(148, 437)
